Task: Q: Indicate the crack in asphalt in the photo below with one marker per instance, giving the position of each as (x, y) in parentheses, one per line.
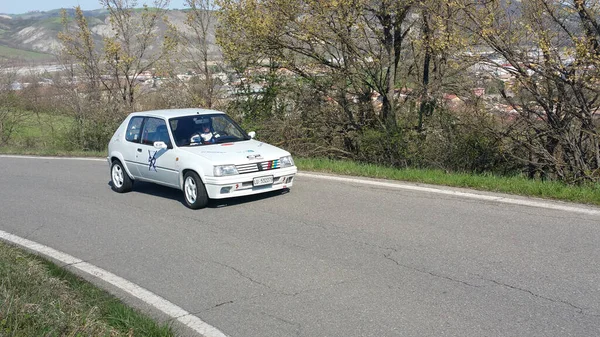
(239, 272)
(298, 326)
(317, 289)
(220, 304)
(387, 256)
(578, 309)
(558, 217)
(372, 245)
(277, 291)
(196, 313)
(34, 231)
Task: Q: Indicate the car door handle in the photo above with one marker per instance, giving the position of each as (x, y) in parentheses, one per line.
(139, 150)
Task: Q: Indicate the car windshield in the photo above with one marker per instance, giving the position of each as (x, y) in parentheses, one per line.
(196, 130)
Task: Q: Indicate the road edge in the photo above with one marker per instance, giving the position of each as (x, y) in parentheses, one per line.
(159, 303)
(451, 191)
(524, 201)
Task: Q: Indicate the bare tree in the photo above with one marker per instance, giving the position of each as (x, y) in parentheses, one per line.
(11, 114)
(200, 21)
(551, 51)
(128, 52)
(103, 83)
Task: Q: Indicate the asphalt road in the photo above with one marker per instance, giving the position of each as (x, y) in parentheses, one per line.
(325, 259)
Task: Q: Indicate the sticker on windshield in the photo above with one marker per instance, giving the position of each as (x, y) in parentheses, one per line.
(152, 161)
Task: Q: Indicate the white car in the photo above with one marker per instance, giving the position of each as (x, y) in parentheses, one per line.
(202, 152)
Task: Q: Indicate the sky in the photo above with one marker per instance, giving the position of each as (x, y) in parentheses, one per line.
(23, 6)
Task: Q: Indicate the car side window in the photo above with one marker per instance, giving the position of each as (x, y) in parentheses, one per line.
(155, 130)
(134, 129)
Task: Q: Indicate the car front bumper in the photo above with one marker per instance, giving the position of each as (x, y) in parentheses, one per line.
(242, 184)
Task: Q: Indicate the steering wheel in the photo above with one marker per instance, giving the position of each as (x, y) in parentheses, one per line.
(195, 138)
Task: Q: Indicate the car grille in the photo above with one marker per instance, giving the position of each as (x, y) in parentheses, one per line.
(255, 167)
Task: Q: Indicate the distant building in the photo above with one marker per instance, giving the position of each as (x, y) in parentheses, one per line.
(16, 86)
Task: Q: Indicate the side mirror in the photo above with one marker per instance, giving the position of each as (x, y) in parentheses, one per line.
(160, 145)
(252, 134)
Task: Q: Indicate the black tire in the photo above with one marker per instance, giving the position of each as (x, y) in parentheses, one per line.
(119, 178)
(194, 191)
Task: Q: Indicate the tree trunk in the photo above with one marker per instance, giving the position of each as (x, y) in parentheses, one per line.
(425, 104)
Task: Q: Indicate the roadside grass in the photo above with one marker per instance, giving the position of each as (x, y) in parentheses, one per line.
(46, 135)
(53, 152)
(588, 194)
(38, 130)
(38, 298)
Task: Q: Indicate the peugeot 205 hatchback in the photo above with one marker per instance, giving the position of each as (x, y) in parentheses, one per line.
(204, 153)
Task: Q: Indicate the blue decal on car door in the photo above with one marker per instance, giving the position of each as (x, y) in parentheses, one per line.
(152, 160)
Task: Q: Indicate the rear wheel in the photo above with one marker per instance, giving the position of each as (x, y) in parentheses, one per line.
(194, 191)
(120, 179)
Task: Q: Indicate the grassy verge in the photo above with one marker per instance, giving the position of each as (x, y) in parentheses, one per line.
(50, 152)
(38, 298)
(589, 194)
(45, 134)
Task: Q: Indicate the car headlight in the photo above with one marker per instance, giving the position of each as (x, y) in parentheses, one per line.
(224, 170)
(286, 161)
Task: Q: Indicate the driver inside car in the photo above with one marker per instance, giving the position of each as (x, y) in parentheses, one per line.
(206, 136)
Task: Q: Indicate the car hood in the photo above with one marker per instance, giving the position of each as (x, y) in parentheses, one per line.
(237, 153)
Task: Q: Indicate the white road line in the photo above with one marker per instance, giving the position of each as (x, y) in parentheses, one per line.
(505, 200)
(170, 309)
(499, 199)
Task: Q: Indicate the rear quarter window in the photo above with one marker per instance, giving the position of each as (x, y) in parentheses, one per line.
(134, 129)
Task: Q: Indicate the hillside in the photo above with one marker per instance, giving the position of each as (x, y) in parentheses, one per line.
(32, 37)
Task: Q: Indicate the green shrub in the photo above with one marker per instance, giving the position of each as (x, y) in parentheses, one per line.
(383, 147)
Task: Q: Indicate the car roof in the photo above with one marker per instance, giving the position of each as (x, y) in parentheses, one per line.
(171, 113)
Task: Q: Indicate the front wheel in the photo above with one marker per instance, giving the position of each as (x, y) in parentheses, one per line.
(194, 191)
(120, 179)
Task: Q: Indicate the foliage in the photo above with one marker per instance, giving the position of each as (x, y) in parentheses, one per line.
(348, 52)
(357, 44)
(11, 111)
(199, 22)
(552, 51)
(127, 53)
(389, 82)
(102, 84)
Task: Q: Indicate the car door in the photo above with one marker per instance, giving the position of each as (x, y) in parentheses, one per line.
(132, 140)
(157, 165)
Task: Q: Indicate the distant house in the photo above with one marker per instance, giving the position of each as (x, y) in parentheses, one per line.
(452, 101)
(479, 92)
(16, 86)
